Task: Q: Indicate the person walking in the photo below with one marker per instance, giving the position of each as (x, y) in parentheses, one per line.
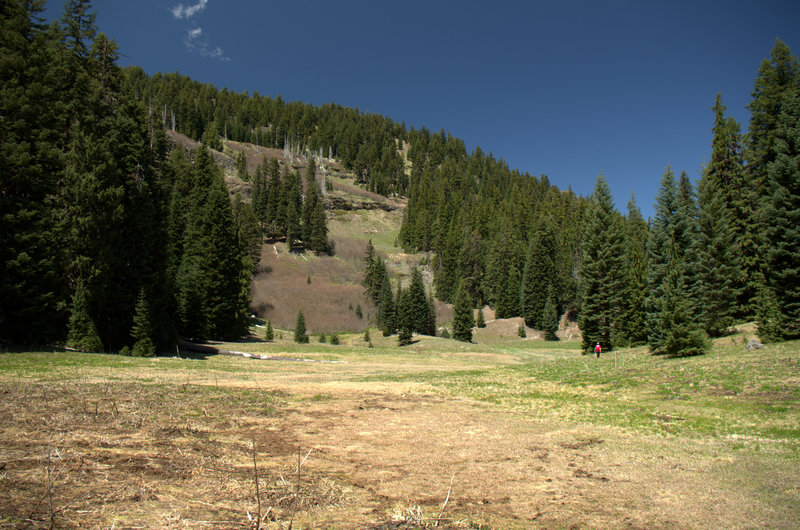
(597, 350)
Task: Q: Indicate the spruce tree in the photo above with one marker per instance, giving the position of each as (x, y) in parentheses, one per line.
(718, 272)
(83, 334)
(539, 277)
(480, 322)
(269, 334)
(602, 272)
(33, 292)
(418, 304)
(508, 302)
(141, 332)
(387, 314)
(727, 173)
(782, 208)
(549, 321)
(463, 321)
(300, 336)
(659, 239)
(682, 335)
(633, 328)
(405, 317)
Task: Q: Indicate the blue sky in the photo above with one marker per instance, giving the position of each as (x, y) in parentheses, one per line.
(570, 89)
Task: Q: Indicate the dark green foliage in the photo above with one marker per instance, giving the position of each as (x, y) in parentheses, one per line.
(770, 321)
(682, 336)
(549, 322)
(405, 317)
(367, 337)
(419, 306)
(33, 292)
(387, 313)
(141, 332)
(300, 336)
(782, 208)
(521, 333)
(539, 278)
(463, 320)
(480, 322)
(632, 323)
(82, 331)
(660, 237)
(719, 273)
(322, 338)
(334, 339)
(269, 334)
(726, 173)
(509, 299)
(602, 270)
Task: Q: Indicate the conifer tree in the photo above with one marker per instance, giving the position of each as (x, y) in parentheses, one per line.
(463, 321)
(508, 302)
(141, 332)
(539, 277)
(387, 314)
(82, 331)
(480, 322)
(660, 237)
(405, 317)
(633, 327)
(269, 334)
(300, 336)
(602, 270)
(782, 208)
(33, 291)
(727, 173)
(549, 321)
(682, 335)
(718, 272)
(418, 304)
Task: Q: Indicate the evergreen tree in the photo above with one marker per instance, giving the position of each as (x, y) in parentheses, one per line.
(463, 321)
(269, 334)
(633, 327)
(660, 237)
(300, 336)
(141, 332)
(418, 304)
(33, 291)
(726, 172)
(480, 322)
(539, 277)
(387, 315)
(682, 335)
(550, 318)
(508, 302)
(83, 334)
(718, 272)
(782, 208)
(602, 270)
(405, 317)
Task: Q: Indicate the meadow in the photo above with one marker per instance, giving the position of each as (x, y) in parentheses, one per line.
(504, 433)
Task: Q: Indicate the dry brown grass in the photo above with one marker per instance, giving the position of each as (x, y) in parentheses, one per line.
(328, 302)
(170, 444)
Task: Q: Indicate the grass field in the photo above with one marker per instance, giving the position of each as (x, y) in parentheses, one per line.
(507, 433)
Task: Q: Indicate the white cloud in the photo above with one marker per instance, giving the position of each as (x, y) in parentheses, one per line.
(196, 42)
(194, 33)
(181, 11)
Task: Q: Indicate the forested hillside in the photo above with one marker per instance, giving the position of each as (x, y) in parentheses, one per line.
(111, 242)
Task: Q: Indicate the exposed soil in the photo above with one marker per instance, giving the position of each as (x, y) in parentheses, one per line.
(170, 453)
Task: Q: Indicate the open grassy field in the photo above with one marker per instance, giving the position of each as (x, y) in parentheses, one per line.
(507, 433)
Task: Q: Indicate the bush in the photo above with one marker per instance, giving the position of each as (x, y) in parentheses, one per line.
(334, 339)
(521, 331)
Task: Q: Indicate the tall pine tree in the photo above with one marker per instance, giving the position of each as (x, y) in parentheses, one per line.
(602, 272)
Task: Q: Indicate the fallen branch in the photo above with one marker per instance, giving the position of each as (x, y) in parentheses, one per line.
(438, 517)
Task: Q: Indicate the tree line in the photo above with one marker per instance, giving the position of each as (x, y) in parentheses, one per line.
(109, 239)
(107, 243)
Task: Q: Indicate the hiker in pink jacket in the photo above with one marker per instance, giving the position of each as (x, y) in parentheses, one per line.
(597, 350)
